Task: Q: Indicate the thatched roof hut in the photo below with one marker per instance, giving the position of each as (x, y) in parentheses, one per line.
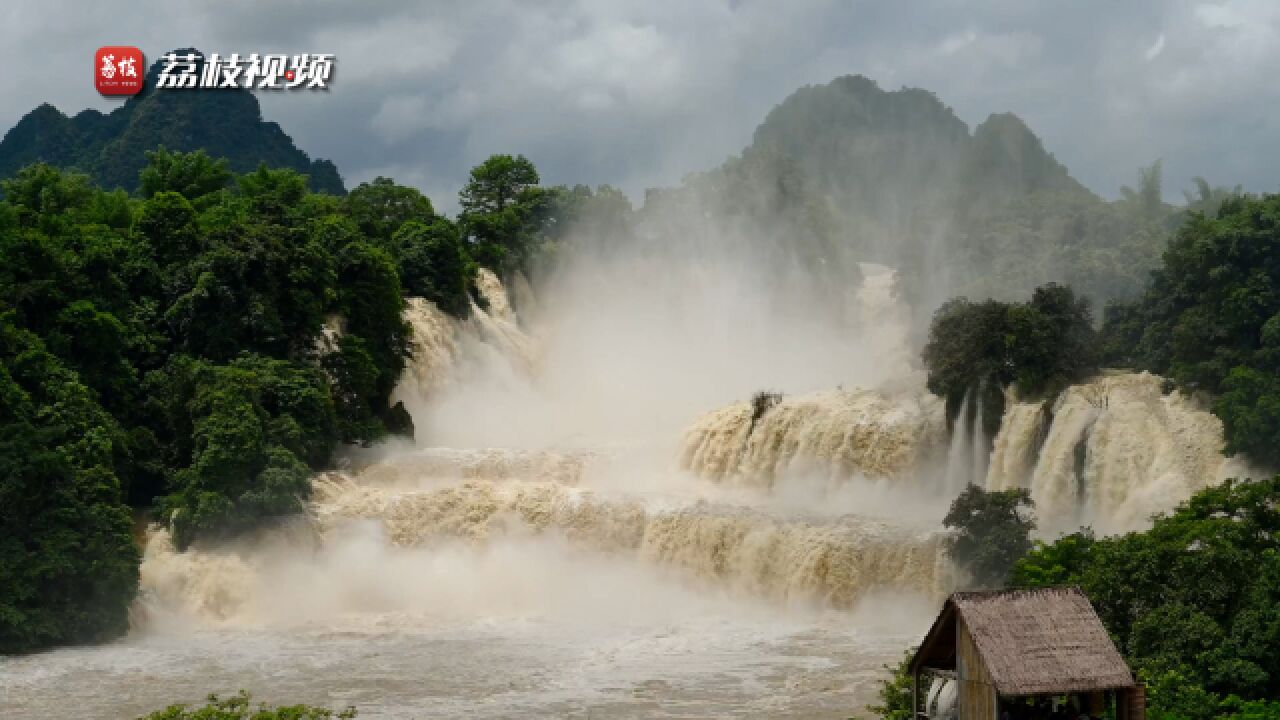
(1001, 646)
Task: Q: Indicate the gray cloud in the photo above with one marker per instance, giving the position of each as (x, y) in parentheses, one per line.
(638, 94)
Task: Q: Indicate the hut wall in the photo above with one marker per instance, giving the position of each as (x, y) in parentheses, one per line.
(1131, 703)
(977, 697)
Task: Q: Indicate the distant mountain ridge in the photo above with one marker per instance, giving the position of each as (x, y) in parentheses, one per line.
(112, 147)
(847, 172)
(888, 155)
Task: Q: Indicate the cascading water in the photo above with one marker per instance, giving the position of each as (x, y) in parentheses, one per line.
(1106, 453)
(1116, 450)
(959, 460)
(436, 346)
(838, 433)
(441, 343)
(557, 572)
(1016, 445)
(979, 451)
(766, 562)
(832, 561)
(967, 450)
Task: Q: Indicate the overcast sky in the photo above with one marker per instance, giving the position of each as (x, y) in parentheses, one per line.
(637, 94)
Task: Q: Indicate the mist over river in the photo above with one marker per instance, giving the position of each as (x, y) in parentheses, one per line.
(630, 642)
(596, 521)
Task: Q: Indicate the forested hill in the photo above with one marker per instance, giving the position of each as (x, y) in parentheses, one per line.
(848, 172)
(891, 155)
(111, 148)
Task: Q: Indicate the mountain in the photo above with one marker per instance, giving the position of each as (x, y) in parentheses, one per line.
(1004, 158)
(890, 156)
(848, 172)
(111, 147)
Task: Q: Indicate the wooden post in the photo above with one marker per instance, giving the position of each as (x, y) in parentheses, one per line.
(915, 694)
(1135, 701)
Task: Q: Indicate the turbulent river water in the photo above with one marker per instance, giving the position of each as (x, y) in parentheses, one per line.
(565, 542)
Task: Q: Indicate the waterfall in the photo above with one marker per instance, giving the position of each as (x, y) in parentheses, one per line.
(838, 434)
(415, 504)
(1116, 450)
(1108, 452)
(398, 503)
(819, 502)
(441, 342)
(757, 540)
(435, 348)
(959, 451)
(1016, 444)
(980, 450)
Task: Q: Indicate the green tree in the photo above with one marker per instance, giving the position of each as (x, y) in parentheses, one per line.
(503, 211)
(1056, 563)
(47, 199)
(1210, 319)
(1148, 200)
(434, 264)
(380, 207)
(355, 377)
(602, 217)
(195, 176)
(257, 429)
(1194, 602)
(68, 567)
(166, 350)
(370, 298)
(992, 531)
(168, 223)
(1207, 199)
(1041, 345)
(966, 350)
(1250, 410)
(1062, 349)
(96, 344)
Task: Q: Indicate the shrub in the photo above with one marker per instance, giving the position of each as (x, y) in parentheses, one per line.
(240, 707)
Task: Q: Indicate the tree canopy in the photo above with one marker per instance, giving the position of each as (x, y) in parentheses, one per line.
(982, 348)
(503, 211)
(196, 351)
(1194, 602)
(992, 531)
(68, 567)
(1210, 319)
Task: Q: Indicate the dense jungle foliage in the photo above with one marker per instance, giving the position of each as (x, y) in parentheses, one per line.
(168, 351)
(1193, 603)
(1210, 320)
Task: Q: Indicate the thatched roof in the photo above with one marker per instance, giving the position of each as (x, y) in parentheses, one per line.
(1033, 642)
